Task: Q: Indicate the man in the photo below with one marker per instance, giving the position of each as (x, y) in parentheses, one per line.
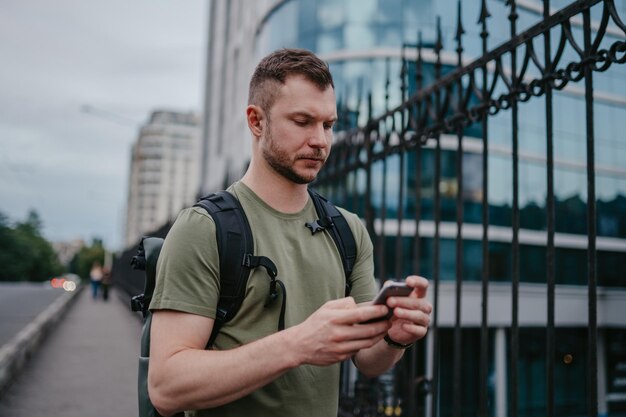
(253, 369)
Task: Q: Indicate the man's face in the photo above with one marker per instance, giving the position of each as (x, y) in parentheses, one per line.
(299, 131)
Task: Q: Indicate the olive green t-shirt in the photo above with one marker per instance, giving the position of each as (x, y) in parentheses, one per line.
(309, 266)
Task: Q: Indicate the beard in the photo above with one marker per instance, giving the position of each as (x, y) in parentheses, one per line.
(283, 163)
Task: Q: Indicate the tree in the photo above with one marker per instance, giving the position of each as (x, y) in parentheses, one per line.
(25, 255)
(12, 252)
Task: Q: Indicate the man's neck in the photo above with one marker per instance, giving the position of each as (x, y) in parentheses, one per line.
(278, 192)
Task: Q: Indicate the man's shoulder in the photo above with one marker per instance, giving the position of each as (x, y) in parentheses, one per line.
(193, 215)
(191, 224)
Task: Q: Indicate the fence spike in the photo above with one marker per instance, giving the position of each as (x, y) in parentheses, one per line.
(439, 42)
(484, 14)
(513, 16)
(459, 24)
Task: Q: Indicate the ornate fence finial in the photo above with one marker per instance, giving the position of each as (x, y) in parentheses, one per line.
(482, 19)
(459, 23)
(484, 13)
(420, 44)
(439, 42)
(419, 75)
(346, 109)
(459, 30)
(513, 13)
(387, 81)
(403, 75)
(359, 99)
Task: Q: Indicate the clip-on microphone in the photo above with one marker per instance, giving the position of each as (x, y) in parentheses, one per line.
(319, 225)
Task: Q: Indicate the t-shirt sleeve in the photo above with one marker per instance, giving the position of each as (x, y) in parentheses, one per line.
(364, 286)
(188, 266)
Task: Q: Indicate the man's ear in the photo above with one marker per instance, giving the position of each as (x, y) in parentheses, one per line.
(256, 120)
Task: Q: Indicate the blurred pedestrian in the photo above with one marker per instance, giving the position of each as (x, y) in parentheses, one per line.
(95, 276)
(106, 283)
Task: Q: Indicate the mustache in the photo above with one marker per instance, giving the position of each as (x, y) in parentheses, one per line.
(318, 154)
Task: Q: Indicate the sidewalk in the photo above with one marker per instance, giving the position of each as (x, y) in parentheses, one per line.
(86, 367)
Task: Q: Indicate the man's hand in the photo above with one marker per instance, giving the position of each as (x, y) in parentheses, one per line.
(411, 315)
(334, 332)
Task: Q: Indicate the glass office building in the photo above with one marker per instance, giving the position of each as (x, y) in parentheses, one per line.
(365, 42)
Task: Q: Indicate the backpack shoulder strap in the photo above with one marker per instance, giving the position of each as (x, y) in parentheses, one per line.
(331, 219)
(236, 252)
(234, 243)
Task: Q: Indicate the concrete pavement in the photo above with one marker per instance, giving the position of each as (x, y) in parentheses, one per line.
(25, 322)
(86, 367)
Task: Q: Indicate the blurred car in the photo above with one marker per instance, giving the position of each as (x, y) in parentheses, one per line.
(68, 282)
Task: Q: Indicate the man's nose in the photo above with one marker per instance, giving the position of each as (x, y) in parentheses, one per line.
(317, 138)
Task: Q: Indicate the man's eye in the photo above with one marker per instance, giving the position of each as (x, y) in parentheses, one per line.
(328, 126)
(301, 122)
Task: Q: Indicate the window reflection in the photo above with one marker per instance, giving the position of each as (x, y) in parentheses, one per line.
(570, 193)
(570, 264)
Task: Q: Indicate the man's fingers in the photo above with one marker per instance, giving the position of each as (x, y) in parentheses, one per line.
(366, 334)
(360, 314)
(349, 348)
(417, 331)
(411, 303)
(358, 344)
(418, 317)
(420, 284)
(346, 312)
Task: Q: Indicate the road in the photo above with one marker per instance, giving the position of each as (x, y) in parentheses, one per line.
(20, 303)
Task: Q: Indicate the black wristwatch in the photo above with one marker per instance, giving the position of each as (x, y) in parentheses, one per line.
(395, 344)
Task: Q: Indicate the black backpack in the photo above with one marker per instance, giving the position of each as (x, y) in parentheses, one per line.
(237, 260)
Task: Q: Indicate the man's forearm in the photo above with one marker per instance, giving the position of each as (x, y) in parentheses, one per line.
(199, 379)
(377, 359)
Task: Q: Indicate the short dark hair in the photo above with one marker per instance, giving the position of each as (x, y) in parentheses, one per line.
(273, 70)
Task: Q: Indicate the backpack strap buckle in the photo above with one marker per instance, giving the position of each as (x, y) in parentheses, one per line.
(221, 313)
(250, 261)
(137, 303)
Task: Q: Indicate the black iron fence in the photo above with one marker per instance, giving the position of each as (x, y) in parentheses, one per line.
(564, 48)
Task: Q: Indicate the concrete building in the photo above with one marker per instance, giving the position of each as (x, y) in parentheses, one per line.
(164, 172)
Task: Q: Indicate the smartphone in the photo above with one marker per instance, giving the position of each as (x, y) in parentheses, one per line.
(395, 289)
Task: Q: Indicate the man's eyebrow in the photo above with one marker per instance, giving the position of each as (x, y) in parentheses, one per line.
(308, 115)
(301, 114)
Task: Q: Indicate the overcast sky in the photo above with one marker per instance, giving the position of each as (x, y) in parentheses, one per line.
(121, 57)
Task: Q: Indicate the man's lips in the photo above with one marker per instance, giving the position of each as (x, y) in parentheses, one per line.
(312, 162)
